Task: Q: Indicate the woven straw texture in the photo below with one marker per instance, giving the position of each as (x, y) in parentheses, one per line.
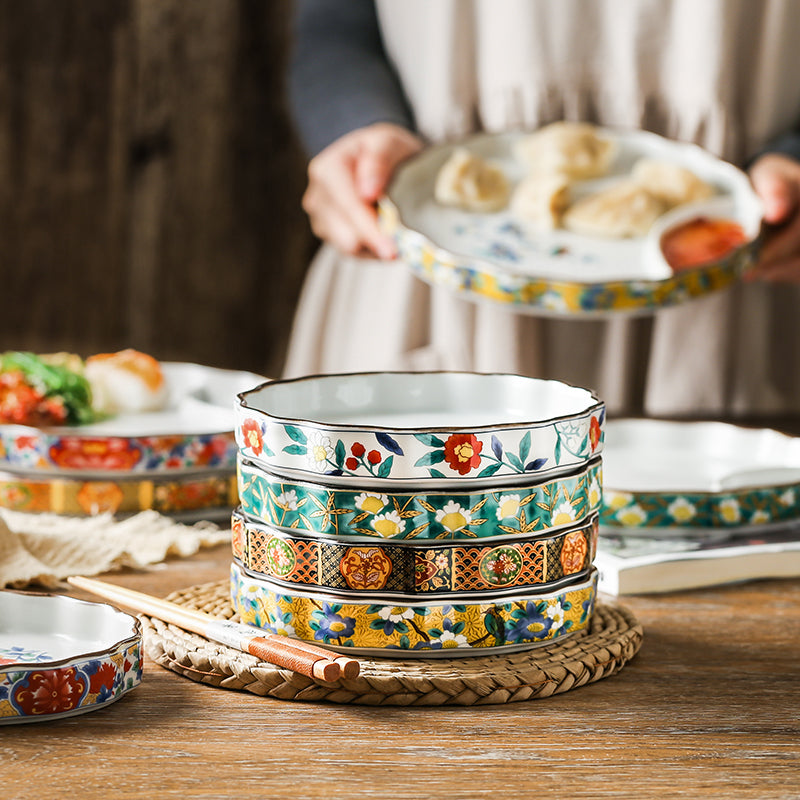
(612, 640)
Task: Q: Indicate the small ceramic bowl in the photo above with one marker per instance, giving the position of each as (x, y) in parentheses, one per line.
(421, 428)
(516, 622)
(532, 507)
(410, 569)
(60, 656)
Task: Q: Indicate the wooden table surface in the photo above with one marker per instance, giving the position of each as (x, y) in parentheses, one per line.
(708, 708)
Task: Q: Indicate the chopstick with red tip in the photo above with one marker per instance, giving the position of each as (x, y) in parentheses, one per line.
(302, 657)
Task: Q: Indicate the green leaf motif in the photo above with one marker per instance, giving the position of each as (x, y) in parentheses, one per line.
(434, 457)
(515, 462)
(295, 449)
(385, 469)
(488, 471)
(340, 453)
(525, 447)
(429, 440)
(295, 434)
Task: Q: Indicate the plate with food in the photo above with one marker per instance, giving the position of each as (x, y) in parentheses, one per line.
(574, 219)
(60, 656)
(115, 413)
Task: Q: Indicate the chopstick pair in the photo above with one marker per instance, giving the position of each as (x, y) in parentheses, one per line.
(302, 657)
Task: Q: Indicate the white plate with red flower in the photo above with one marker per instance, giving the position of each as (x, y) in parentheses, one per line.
(423, 428)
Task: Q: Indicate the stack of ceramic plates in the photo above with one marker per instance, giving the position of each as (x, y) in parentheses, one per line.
(180, 461)
(417, 513)
(698, 479)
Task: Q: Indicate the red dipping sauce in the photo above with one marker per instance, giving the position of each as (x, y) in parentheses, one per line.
(701, 241)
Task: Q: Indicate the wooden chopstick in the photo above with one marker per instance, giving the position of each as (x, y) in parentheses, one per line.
(299, 656)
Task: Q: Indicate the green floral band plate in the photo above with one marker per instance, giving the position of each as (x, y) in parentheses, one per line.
(532, 507)
(381, 568)
(463, 629)
(729, 509)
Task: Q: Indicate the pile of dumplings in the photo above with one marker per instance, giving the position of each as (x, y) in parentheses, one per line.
(556, 157)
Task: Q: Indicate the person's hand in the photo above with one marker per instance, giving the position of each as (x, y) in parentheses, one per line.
(345, 180)
(776, 179)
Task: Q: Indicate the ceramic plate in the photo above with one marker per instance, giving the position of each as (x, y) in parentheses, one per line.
(194, 431)
(406, 571)
(527, 508)
(500, 258)
(698, 475)
(430, 428)
(111, 494)
(60, 656)
(443, 629)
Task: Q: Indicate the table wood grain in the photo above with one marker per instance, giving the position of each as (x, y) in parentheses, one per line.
(708, 708)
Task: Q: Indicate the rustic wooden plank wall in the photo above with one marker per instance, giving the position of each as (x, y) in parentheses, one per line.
(150, 180)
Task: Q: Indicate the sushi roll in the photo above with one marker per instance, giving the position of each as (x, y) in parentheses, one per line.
(126, 382)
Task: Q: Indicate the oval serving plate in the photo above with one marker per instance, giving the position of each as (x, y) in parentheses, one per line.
(687, 475)
(194, 431)
(498, 257)
(518, 622)
(413, 570)
(60, 656)
(532, 507)
(428, 428)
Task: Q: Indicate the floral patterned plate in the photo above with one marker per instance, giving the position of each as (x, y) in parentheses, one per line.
(431, 629)
(60, 656)
(427, 428)
(498, 257)
(698, 475)
(194, 431)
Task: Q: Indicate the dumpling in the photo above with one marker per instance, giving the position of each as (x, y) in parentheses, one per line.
(469, 182)
(670, 182)
(624, 209)
(541, 200)
(570, 148)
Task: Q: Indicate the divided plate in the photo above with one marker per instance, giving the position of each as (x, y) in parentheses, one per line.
(663, 474)
(194, 432)
(60, 656)
(500, 258)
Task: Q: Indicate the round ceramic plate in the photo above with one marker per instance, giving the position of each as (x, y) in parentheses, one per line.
(501, 258)
(60, 656)
(428, 428)
(194, 431)
(110, 494)
(530, 507)
(443, 629)
(662, 474)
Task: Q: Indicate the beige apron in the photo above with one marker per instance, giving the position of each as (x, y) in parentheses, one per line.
(728, 78)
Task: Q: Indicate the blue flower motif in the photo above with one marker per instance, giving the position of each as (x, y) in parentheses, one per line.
(330, 625)
(530, 623)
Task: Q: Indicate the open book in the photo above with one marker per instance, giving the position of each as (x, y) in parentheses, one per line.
(639, 564)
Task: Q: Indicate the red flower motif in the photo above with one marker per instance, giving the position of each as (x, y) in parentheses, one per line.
(104, 677)
(594, 433)
(51, 692)
(251, 433)
(374, 457)
(351, 464)
(74, 452)
(358, 449)
(462, 451)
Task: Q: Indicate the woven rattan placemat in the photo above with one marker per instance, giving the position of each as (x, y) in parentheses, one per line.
(612, 640)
